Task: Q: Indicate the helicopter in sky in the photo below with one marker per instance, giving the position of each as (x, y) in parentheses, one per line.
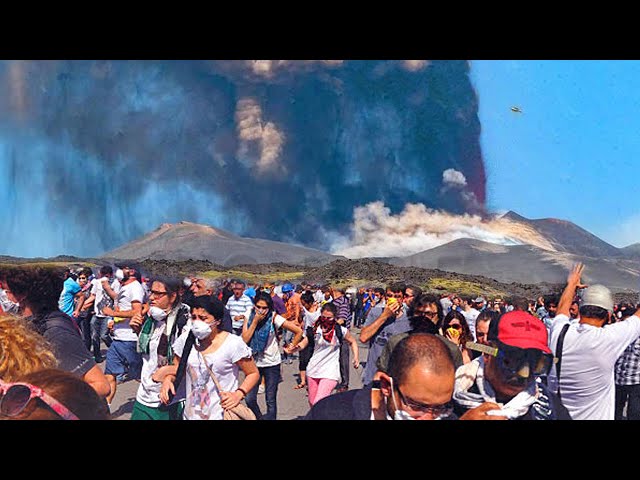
(516, 109)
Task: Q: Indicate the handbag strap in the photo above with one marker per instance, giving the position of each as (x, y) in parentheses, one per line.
(213, 377)
(558, 359)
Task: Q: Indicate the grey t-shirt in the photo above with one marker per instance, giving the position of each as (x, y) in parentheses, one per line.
(379, 340)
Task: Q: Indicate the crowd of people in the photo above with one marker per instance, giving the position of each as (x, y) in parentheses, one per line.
(201, 348)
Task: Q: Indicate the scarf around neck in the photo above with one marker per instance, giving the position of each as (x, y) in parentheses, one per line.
(328, 326)
(473, 373)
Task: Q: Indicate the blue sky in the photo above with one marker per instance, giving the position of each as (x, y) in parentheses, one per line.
(574, 151)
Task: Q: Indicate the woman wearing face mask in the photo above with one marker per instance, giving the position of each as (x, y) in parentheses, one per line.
(166, 319)
(323, 369)
(259, 332)
(215, 351)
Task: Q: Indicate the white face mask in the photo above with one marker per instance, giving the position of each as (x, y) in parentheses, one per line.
(119, 274)
(157, 313)
(200, 329)
(399, 413)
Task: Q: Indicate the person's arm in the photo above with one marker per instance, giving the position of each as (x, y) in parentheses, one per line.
(80, 298)
(249, 330)
(297, 331)
(107, 288)
(250, 370)
(573, 283)
(354, 349)
(168, 386)
(289, 349)
(97, 380)
(368, 331)
(136, 309)
(88, 303)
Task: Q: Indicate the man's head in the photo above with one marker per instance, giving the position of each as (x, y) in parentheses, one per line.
(523, 353)
(307, 300)
(420, 379)
(106, 271)
(202, 286)
(411, 292)
(574, 310)
(478, 303)
(483, 321)
(238, 289)
(597, 303)
(36, 289)
(551, 305)
(288, 290)
(395, 290)
(426, 308)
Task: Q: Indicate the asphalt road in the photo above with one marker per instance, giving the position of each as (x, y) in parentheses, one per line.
(292, 404)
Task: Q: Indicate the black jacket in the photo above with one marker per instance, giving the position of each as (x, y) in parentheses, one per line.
(349, 405)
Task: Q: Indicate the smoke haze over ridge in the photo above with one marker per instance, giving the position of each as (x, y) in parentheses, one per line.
(96, 153)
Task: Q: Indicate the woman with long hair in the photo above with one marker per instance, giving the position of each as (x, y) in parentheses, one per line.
(456, 329)
(163, 323)
(259, 332)
(323, 369)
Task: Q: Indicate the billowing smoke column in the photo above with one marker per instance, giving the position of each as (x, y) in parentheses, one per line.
(94, 154)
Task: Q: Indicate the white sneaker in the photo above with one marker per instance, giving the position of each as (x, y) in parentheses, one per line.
(261, 388)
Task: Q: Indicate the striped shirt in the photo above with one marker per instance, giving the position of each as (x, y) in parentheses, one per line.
(240, 306)
(344, 310)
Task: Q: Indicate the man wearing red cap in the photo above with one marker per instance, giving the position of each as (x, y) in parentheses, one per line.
(504, 382)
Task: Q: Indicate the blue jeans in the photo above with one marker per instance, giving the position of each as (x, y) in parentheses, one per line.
(123, 360)
(271, 379)
(99, 331)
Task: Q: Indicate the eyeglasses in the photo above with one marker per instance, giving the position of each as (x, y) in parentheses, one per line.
(429, 315)
(443, 410)
(397, 295)
(513, 360)
(480, 334)
(457, 326)
(157, 293)
(14, 397)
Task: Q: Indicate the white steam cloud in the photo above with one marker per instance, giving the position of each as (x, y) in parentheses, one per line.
(454, 178)
(260, 143)
(378, 233)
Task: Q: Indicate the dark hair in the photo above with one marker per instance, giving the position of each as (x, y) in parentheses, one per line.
(307, 297)
(487, 315)
(215, 308)
(519, 303)
(422, 348)
(549, 299)
(70, 390)
(266, 297)
(466, 332)
(420, 324)
(424, 300)
(86, 271)
(417, 291)
(591, 311)
(379, 290)
(106, 270)
(39, 287)
(172, 285)
(396, 287)
(331, 307)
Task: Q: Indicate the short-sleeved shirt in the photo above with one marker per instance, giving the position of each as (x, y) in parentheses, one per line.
(378, 342)
(128, 294)
(240, 306)
(271, 354)
(325, 360)
(589, 354)
(68, 346)
(203, 399)
(69, 289)
(102, 298)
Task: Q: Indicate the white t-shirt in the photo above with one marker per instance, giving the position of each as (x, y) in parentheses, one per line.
(271, 355)
(129, 293)
(309, 319)
(471, 317)
(240, 306)
(203, 400)
(589, 354)
(325, 361)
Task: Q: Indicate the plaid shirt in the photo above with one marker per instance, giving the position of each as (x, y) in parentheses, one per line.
(628, 365)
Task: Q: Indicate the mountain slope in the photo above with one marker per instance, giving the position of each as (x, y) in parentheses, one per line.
(186, 240)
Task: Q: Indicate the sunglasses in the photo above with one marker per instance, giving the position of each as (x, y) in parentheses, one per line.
(14, 397)
(397, 295)
(512, 360)
(455, 326)
(443, 410)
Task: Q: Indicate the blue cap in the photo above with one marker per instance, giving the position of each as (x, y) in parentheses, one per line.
(287, 287)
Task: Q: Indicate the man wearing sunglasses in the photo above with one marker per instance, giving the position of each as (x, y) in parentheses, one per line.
(418, 386)
(504, 382)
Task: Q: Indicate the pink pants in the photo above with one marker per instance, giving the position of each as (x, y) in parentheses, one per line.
(320, 388)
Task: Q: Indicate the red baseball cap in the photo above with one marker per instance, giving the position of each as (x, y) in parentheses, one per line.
(520, 329)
